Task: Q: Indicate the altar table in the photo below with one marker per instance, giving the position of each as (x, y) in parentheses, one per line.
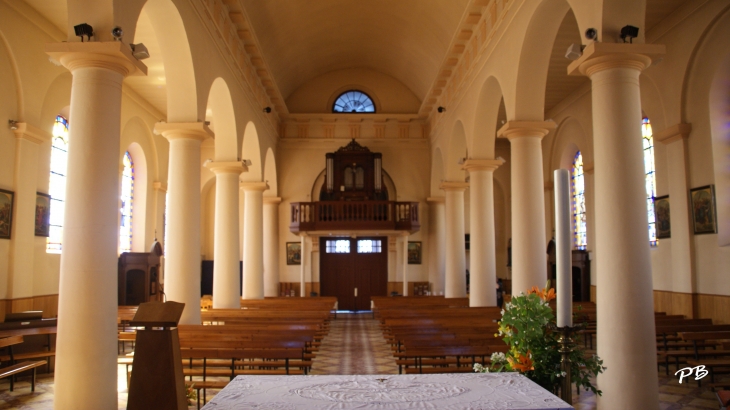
(464, 391)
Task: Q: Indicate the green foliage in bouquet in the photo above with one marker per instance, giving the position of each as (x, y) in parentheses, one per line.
(533, 346)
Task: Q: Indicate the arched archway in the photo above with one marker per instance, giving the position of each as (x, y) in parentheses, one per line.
(160, 23)
(270, 174)
(251, 150)
(437, 172)
(456, 153)
(222, 117)
(534, 59)
(485, 121)
(12, 68)
(707, 89)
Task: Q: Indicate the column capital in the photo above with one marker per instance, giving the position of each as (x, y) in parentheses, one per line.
(601, 56)
(674, 133)
(436, 199)
(189, 130)
(518, 129)
(28, 132)
(275, 200)
(226, 167)
(111, 55)
(454, 186)
(254, 186)
(473, 164)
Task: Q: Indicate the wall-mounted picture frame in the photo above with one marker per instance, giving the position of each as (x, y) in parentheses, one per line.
(704, 216)
(661, 216)
(293, 253)
(42, 214)
(6, 213)
(414, 253)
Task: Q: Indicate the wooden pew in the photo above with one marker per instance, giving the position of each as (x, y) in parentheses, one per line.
(16, 368)
(684, 354)
(712, 365)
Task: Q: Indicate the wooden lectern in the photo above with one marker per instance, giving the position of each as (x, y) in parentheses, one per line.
(157, 377)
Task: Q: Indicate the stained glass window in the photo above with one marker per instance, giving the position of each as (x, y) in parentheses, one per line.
(337, 246)
(57, 184)
(125, 225)
(579, 203)
(353, 101)
(369, 246)
(650, 179)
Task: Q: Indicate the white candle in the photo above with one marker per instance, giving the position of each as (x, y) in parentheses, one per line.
(564, 287)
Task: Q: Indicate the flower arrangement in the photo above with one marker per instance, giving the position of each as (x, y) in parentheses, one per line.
(533, 346)
(190, 394)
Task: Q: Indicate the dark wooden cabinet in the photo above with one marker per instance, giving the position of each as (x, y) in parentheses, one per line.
(581, 273)
(138, 278)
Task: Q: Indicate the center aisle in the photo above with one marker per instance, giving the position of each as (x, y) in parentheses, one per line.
(354, 345)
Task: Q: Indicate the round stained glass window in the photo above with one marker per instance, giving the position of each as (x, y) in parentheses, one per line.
(353, 101)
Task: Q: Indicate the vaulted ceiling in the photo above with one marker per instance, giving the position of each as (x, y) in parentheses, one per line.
(300, 40)
(406, 39)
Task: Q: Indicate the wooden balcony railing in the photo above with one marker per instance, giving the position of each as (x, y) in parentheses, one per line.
(354, 215)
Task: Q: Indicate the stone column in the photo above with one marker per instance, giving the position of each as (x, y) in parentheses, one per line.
(253, 238)
(86, 366)
(271, 246)
(483, 272)
(304, 257)
(22, 242)
(404, 238)
(436, 245)
(626, 335)
(160, 195)
(455, 284)
(226, 280)
(182, 251)
(529, 260)
(683, 272)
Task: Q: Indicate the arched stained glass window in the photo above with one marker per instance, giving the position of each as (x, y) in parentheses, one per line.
(579, 203)
(650, 179)
(57, 184)
(125, 225)
(353, 101)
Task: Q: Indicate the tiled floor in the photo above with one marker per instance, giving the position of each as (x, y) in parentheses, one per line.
(356, 346)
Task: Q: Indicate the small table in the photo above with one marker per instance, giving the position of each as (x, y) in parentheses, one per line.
(465, 391)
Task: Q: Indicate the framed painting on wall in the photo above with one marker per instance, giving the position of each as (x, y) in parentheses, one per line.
(6, 213)
(661, 216)
(414, 253)
(703, 209)
(293, 253)
(42, 214)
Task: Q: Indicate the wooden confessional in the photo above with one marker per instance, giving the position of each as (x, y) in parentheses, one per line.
(139, 277)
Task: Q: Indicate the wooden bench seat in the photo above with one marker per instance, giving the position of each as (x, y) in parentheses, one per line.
(17, 368)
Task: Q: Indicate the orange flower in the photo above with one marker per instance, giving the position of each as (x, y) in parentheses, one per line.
(544, 294)
(522, 363)
(549, 295)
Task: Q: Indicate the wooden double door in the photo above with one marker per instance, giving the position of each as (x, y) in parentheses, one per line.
(353, 270)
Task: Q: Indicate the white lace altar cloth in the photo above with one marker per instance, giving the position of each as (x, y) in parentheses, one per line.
(465, 391)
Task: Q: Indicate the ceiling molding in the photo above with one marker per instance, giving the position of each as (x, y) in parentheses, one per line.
(479, 24)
